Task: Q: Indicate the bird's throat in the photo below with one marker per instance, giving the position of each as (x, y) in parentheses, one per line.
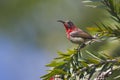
(68, 31)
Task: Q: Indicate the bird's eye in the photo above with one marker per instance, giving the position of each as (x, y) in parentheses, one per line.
(70, 24)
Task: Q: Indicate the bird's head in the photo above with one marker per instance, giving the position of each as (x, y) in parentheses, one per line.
(67, 24)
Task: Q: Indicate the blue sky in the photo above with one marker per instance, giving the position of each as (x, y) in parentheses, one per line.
(20, 61)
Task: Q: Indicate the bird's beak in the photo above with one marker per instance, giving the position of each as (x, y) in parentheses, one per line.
(61, 21)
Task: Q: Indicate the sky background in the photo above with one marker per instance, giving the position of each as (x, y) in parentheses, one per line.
(30, 35)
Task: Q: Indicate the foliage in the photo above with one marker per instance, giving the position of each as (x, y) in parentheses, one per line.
(86, 64)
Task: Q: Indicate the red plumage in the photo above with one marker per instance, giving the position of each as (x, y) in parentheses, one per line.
(75, 34)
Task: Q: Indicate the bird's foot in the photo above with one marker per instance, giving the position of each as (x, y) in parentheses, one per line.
(80, 47)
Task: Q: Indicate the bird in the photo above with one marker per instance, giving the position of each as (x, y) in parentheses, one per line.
(76, 35)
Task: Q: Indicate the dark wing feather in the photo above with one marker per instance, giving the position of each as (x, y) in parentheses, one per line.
(80, 33)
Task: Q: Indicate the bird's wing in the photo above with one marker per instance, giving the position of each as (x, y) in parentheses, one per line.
(80, 33)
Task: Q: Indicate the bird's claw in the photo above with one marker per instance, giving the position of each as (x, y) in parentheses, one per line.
(80, 47)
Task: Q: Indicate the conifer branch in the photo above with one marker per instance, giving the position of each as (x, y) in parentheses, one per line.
(75, 65)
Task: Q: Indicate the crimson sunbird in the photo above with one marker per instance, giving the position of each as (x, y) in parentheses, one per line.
(75, 34)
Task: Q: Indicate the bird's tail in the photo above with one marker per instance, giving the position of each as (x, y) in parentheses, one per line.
(96, 40)
(93, 40)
